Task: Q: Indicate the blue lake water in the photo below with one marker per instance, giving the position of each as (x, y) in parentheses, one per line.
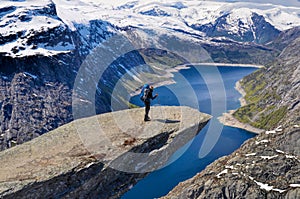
(205, 86)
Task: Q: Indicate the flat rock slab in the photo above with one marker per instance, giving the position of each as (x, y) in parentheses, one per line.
(120, 140)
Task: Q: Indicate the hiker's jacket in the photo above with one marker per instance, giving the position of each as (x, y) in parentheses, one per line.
(149, 95)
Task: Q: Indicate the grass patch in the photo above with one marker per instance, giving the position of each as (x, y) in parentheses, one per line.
(131, 106)
(271, 120)
(264, 118)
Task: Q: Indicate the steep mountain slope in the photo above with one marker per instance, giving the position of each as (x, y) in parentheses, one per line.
(268, 165)
(273, 94)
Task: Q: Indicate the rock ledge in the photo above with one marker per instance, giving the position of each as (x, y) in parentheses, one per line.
(75, 160)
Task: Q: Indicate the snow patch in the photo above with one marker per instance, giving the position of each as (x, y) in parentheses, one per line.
(225, 171)
(291, 156)
(279, 190)
(271, 132)
(269, 157)
(250, 154)
(268, 187)
(279, 151)
(29, 74)
(264, 186)
(279, 129)
(295, 185)
(229, 167)
(261, 141)
(90, 164)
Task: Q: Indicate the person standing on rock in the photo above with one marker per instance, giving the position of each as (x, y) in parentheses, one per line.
(146, 97)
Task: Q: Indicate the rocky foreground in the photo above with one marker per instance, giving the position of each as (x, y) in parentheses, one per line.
(96, 156)
(266, 166)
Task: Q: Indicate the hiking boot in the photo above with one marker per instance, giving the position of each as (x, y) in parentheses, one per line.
(147, 119)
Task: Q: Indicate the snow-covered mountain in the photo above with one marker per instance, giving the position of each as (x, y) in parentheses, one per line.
(29, 28)
(245, 21)
(45, 27)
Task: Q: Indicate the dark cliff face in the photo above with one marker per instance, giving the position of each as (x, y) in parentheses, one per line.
(36, 89)
(268, 165)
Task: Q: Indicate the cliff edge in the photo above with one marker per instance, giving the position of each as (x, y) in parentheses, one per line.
(87, 160)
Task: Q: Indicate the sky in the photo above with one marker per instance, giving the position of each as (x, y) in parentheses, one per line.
(294, 3)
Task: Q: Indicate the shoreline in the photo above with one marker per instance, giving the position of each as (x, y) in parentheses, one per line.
(187, 66)
(239, 88)
(169, 74)
(227, 64)
(227, 119)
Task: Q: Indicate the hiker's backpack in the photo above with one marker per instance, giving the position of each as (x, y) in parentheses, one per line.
(143, 93)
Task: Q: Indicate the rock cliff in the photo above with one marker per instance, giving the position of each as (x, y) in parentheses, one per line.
(77, 161)
(266, 166)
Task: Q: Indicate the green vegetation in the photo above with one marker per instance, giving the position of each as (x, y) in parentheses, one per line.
(272, 119)
(253, 84)
(130, 105)
(261, 97)
(256, 116)
(245, 113)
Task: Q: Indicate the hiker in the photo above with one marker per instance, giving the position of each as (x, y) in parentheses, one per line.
(146, 96)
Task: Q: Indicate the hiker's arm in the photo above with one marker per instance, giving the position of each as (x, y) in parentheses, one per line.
(154, 96)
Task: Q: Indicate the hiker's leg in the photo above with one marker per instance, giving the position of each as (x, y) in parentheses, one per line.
(147, 109)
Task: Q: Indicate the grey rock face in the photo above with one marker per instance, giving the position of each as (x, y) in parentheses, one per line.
(266, 166)
(78, 160)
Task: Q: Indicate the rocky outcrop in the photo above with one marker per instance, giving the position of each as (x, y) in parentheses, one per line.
(266, 166)
(97, 157)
